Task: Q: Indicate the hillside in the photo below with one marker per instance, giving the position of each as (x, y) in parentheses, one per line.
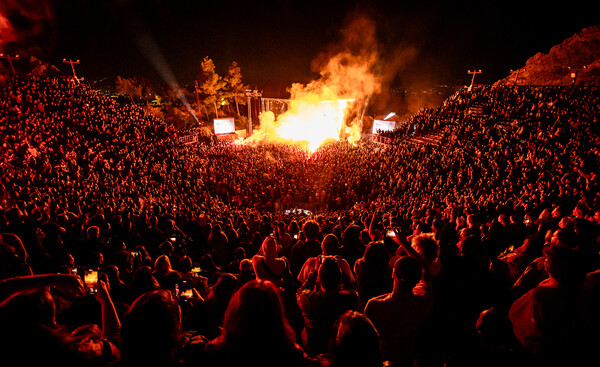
(577, 56)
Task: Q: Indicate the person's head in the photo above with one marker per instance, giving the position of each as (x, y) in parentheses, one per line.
(16, 244)
(93, 232)
(97, 259)
(207, 263)
(162, 265)
(558, 211)
(171, 278)
(564, 237)
(330, 245)
(124, 260)
(151, 329)
(470, 247)
(143, 281)
(185, 264)
(29, 331)
(545, 215)
(354, 341)
(596, 217)
(407, 272)
(215, 229)
(246, 266)
(565, 265)
(256, 238)
(419, 227)
(493, 327)
(28, 309)
(13, 215)
(329, 274)
(166, 248)
(471, 220)
(112, 273)
(427, 247)
(255, 316)
(311, 229)
(170, 224)
(280, 227)
(364, 237)
(503, 219)
(579, 211)
(11, 264)
(239, 253)
(437, 225)
(376, 254)
(225, 286)
(293, 227)
(269, 247)
(529, 220)
(351, 236)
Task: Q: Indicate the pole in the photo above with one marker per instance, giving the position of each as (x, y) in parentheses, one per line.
(474, 72)
(72, 67)
(250, 94)
(516, 77)
(10, 59)
(249, 127)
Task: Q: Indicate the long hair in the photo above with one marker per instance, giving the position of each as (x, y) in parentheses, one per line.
(376, 276)
(151, 329)
(29, 332)
(268, 247)
(354, 341)
(255, 316)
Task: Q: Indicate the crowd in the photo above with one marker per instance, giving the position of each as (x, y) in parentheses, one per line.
(480, 251)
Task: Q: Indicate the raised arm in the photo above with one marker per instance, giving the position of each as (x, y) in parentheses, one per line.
(111, 325)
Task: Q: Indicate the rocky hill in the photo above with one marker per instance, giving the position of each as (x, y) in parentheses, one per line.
(575, 60)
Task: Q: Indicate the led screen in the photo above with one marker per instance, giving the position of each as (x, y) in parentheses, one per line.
(382, 125)
(224, 126)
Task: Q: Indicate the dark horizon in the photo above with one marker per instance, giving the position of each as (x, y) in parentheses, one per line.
(420, 43)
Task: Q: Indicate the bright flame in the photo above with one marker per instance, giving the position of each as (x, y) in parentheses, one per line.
(308, 123)
(332, 106)
(313, 123)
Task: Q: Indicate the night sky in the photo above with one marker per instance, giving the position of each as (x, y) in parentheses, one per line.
(275, 42)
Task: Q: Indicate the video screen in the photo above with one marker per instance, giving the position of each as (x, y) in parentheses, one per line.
(383, 125)
(224, 125)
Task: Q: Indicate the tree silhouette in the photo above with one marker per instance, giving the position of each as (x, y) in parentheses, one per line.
(235, 87)
(129, 87)
(211, 84)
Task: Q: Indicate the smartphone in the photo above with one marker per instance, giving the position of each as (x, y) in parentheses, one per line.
(173, 239)
(390, 233)
(296, 236)
(183, 289)
(196, 270)
(90, 280)
(135, 254)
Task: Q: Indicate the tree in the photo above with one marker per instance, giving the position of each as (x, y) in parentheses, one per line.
(236, 90)
(129, 87)
(172, 93)
(147, 89)
(211, 83)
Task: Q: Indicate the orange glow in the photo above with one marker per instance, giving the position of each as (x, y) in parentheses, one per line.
(332, 106)
(307, 124)
(327, 108)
